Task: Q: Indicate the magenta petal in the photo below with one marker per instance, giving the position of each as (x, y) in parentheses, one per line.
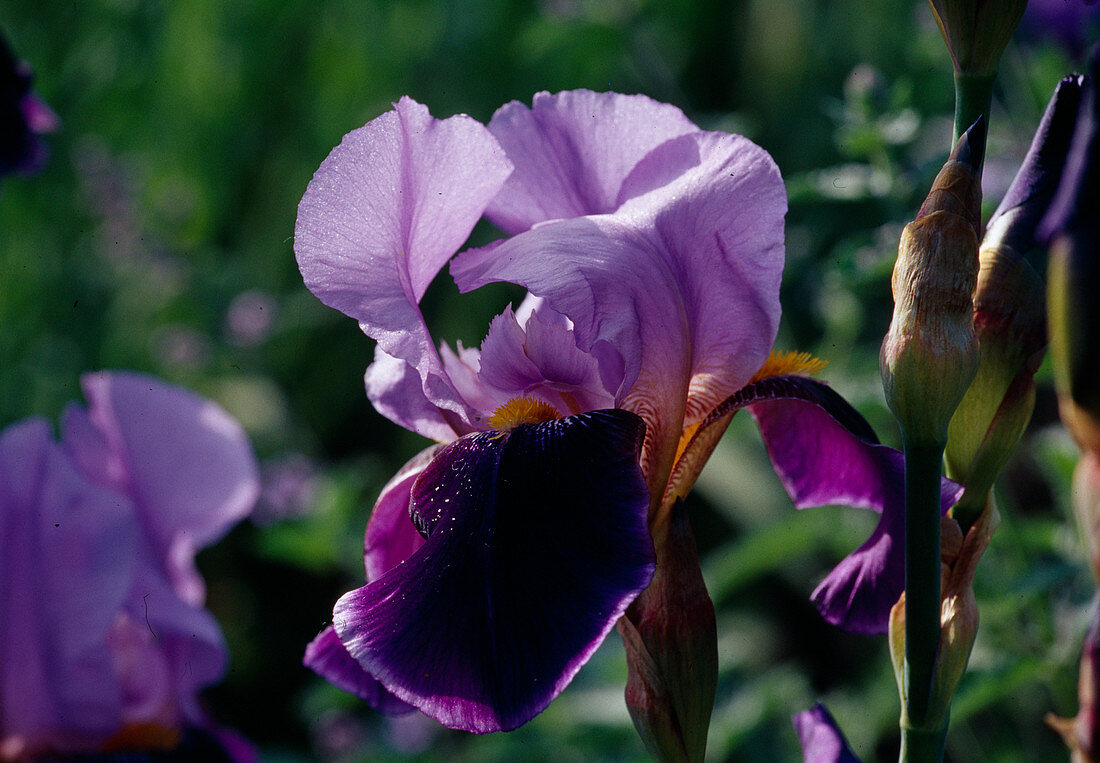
(391, 537)
(187, 464)
(572, 151)
(383, 213)
(825, 453)
(536, 544)
(327, 657)
(822, 741)
(66, 561)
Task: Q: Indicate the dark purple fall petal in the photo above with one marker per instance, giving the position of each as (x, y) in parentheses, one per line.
(536, 543)
(328, 657)
(821, 739)
(825, 453)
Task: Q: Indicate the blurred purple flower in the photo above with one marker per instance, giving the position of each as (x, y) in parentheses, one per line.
(1072, 23)
(23, 117)
(289, 484)
(821, 739)
(249, 318)
(104, 644)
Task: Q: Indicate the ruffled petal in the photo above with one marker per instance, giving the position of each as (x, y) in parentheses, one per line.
(821, 739)
(541, 359)
(327, 657)
(381, 216)
(395, 389)
(66, 560)
(680, 286)
(572, 151)
(536, 544)
(185, 462)
(825, 453)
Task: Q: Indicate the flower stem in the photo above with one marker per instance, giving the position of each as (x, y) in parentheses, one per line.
(921, 744)
(922, 591)
(973, 96)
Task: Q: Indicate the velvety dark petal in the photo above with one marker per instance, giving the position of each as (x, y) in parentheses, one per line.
(821, 739)
(825, 453)
(537, 542)
(327, 657)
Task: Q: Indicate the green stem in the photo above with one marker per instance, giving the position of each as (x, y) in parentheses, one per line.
(922, 580)
(973, 96)
(921, 745)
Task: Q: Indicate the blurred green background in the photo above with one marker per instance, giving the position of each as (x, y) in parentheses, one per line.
(159, 238)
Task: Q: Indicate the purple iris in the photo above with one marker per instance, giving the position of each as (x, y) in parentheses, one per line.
(23, 117)
(822, 741)
(652, 253)
(104, 644)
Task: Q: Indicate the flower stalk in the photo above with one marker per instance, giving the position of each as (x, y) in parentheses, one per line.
(929, 358)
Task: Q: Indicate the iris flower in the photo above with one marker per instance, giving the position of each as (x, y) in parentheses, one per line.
(104, 643)
(652, 251)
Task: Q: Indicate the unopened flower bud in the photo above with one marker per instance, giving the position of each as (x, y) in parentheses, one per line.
(671, 642)
(1072, 226)
(1009, 314)
(958, 624)
(977, 31)
(930, 354)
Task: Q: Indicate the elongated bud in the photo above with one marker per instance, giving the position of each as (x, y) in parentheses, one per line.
(930, 353)
(977, 31)
(1073, 281)
(1009, 313)
(671, 641)
(958, 622)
